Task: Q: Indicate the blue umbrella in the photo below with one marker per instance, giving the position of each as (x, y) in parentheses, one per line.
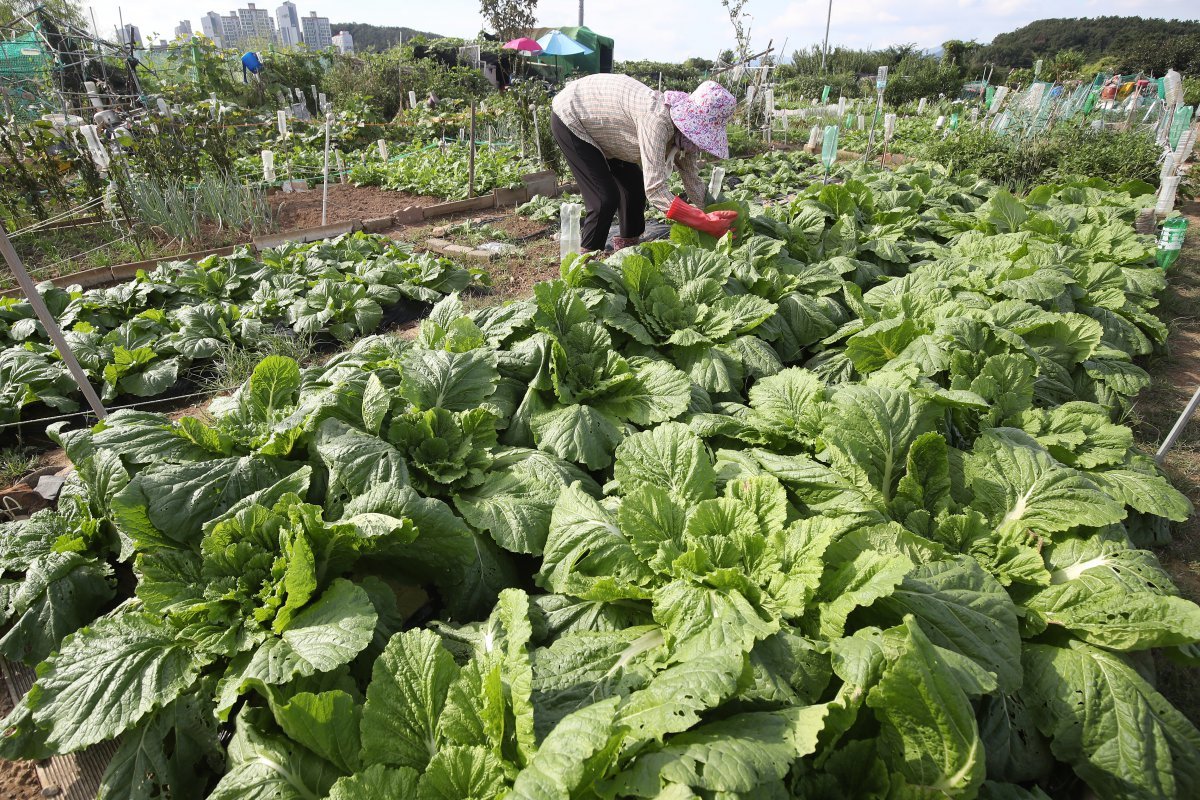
(556, 43)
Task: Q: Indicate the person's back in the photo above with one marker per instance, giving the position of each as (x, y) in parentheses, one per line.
(608, 110)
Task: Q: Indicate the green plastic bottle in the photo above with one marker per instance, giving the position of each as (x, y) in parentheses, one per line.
(1170, 242)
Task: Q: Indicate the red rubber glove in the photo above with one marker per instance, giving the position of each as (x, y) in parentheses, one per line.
(715, 224)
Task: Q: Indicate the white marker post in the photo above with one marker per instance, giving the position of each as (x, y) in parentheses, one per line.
(325, 185)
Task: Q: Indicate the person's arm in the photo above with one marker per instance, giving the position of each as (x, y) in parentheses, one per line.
(689, 170)
(653, 138)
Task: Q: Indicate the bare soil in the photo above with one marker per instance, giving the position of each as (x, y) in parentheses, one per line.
(1174, 377)
(18, 779)
(347, 202)
(513, 276)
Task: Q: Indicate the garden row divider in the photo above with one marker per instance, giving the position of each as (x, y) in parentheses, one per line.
(543, 183)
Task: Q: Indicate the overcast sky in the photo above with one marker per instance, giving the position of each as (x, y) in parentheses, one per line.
(671, 30)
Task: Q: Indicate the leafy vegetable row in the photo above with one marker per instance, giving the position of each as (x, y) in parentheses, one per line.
(841, 507)
(443, 171)
(138, 338)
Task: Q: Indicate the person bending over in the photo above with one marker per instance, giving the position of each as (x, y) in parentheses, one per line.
(623, 139)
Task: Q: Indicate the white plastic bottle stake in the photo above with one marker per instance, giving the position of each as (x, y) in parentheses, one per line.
(268, 159)
(814, 137)
(321, 100)
(1166, 195)
(1168, 167)
(96, 147)
(921, 105)
(281, 120)
(383, 149)
(941, 120)
(1183, 151)
(715, 181)
(412, 99)
(862, 122)
(998, 99)
(889, 126)
(163, 108)
(568, 235)
(841, 107)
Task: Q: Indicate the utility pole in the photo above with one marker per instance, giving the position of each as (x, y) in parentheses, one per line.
(825, 46)
(581, 13)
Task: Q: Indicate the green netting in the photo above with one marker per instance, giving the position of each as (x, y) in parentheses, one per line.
(23, 64)
(22, 57)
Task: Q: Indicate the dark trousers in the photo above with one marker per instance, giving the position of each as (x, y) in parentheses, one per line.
(607, 186)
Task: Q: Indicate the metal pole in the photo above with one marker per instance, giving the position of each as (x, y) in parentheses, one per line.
(471, 155)
(1177, 428)
(825, 46)
(325, 187)
(50, 324)
(581, 13)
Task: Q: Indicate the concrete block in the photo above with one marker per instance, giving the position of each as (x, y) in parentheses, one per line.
(88, 278)
(544, 183)
(460, 206)
(511, 197)
(412, 215)
(377, 224)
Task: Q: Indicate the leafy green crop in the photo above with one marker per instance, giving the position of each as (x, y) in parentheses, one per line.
(843, 507)
(442, 170)
(138, 338)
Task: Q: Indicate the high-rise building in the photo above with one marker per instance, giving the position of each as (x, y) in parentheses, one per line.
(316, 31)
(288, 19)
(344, 42)
(257, 25)
(131, 35)
(183, 29)
(211, 26)
(231, 30)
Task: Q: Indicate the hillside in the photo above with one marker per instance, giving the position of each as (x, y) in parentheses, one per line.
(1094, 37)
(379, 37)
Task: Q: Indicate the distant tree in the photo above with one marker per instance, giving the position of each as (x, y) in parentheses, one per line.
(740, 19)
(509, 18)
(66, 10)
(956, 52)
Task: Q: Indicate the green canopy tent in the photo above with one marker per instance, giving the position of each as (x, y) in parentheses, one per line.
(599, 60)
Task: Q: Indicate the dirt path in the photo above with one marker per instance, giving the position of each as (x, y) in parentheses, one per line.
(1175, 375)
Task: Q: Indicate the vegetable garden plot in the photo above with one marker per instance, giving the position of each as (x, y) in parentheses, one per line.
(839, 508)
(443, 171)
(140, 337)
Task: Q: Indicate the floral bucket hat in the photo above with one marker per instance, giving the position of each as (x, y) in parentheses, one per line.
(702, 115)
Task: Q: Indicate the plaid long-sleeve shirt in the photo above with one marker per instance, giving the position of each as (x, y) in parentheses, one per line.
(626, 120)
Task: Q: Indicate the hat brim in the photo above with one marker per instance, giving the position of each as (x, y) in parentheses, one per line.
(712, 139)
